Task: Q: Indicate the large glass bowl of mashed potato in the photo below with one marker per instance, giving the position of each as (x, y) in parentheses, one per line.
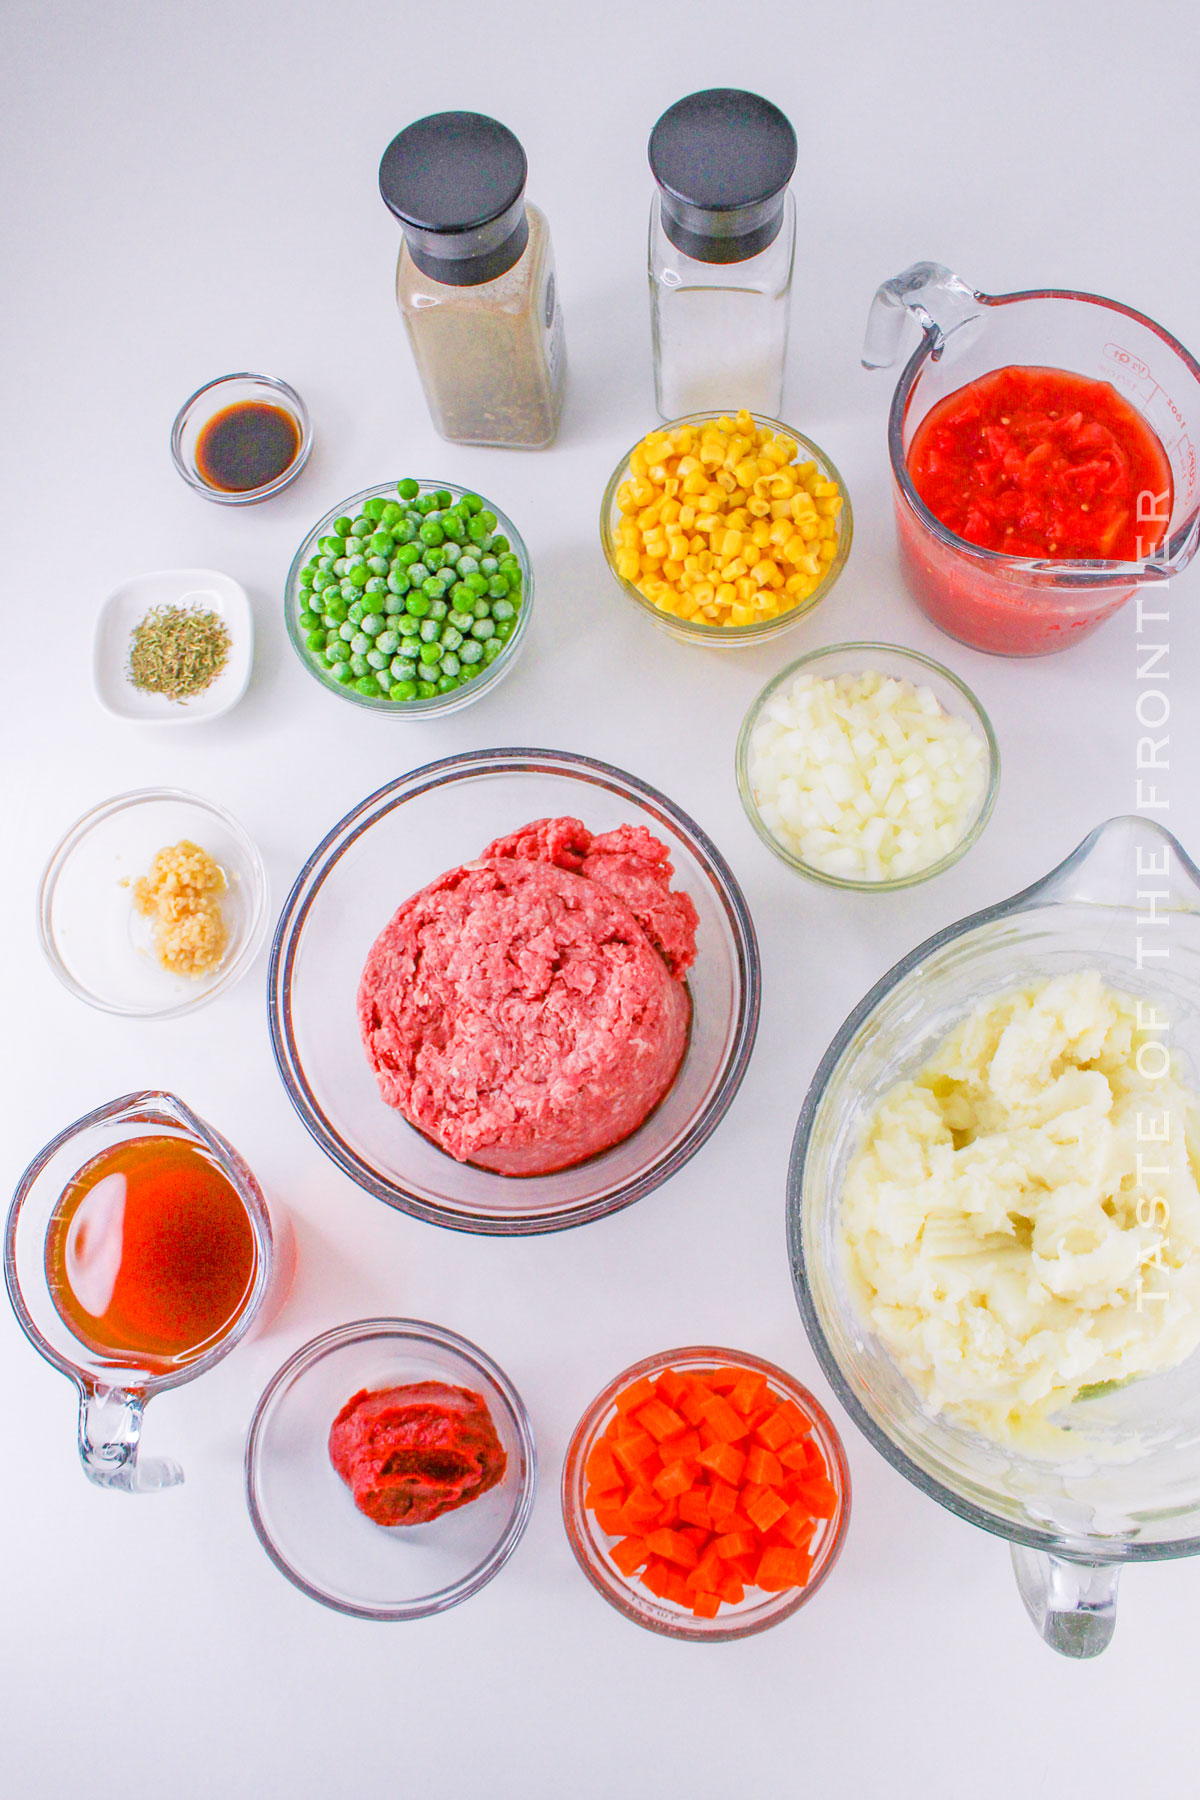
(994, 1221)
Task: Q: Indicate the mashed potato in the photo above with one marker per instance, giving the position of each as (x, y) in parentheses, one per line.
(1021, 1221)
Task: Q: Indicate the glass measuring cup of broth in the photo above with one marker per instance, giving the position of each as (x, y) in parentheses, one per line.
(1124, 1485)
(139, 1251)
(1030, 605)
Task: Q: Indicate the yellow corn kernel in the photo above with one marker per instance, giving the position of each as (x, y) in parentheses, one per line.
(708, 503)
(628, 565)
(695, 483)
(730, 544)
(726, 594)
(741, 615)
(828, 550)
(751, 555)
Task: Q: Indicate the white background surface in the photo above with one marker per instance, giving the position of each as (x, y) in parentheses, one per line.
(192, 189)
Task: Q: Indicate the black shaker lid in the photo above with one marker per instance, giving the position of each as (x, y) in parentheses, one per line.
(456, 182)
(722, 159)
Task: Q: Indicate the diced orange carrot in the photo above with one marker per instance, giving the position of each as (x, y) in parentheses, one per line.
(764, 1508)
(744, 1567)
(654, 1576)
(671, 1386)
(659, 1420)
(611, 1519)
(673, 1547)
(686, 1445)
(668, 1512)
(635, 1395)
(697, 1533)
(797, 1526)
(796, 1455)
(601, 1467)
(677, 1588)
(728, 1425)
(724, 1379)
(775, 1431)
(629, 1554)
(634, 1449)
(642, 1505)
(674, 1480)
(748, 1393)
(794, 1416)
(762, 1468)
(780, 1569)
(818, 1494)
(722, 1500)
(724, 1460)
(609, 1496)
(731, 1588)
(735, 1543)
(693, 1506)
(691, 1402)
(706, 1606)
(708, 1571)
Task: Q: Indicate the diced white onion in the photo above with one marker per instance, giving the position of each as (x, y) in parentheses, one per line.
(865, 775)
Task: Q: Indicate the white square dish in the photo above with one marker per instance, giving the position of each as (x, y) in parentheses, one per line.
(127, 605)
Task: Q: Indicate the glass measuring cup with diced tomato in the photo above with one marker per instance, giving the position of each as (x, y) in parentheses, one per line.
(1034, 504)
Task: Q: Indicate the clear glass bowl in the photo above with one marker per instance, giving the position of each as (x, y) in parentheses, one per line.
(95, 942)
(907, 665)
(214, 397)
(387, 848)
(304, 1513)
(727, 637)
(1132, 1490)
(626, 1593)
(438, 704)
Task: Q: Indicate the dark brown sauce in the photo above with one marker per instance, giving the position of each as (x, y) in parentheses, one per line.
(247, 445)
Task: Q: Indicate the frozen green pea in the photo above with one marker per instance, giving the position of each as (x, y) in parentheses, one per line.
(360, 643)
(343, 673)
(337, 652)
(373, 507)
(407, 626)
(483, 629)
(372, 623)
(316, 640)
(376, 586)
(359, 665)
(488, 565)
(377, 660)
(430, 631)
(308, 621)
(450, 663)
(403, 690)
(357, 612)
(393, 604)
(343, 526)
(492, 649)
(354, 545)
(482, 609)
(360, 576)
(470, 651)
(503, 609)
(387, 641)
(430, 654)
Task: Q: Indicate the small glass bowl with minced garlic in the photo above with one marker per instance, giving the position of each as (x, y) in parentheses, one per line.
(105, 936)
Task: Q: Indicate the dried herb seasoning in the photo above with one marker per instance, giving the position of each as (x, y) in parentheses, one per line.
(177, 651)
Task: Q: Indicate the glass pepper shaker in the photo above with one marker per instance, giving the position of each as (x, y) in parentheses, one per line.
(722, 241)
(475, 281)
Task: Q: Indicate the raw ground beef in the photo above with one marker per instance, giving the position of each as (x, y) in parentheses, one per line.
(528, 1010)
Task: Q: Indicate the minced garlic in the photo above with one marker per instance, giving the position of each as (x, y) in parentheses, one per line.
(181, 893)
(1021, 1220)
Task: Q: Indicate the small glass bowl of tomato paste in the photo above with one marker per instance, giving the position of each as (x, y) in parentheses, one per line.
(1110, 395)
(765, 1424)
(304, 1513)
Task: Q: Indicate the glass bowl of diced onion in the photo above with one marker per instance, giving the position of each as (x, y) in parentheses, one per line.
(876, 783)
(694, 623)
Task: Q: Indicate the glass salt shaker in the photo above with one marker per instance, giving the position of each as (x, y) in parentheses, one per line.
(475, 281)
(722, 241)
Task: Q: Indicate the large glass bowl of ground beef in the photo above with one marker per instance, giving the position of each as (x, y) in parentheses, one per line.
(513, 991)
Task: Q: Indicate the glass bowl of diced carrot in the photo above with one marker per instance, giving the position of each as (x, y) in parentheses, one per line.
(706, 1494)
(726, 530)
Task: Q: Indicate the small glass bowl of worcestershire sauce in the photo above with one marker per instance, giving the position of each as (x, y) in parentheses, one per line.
(241, 438)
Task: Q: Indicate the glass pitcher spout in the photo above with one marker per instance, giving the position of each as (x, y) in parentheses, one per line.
(934, 296)
(1121, 864)
(110, 1429)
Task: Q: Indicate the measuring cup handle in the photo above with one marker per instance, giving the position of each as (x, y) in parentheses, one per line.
(110, 1427)
(1073, 1605)
(938, 299)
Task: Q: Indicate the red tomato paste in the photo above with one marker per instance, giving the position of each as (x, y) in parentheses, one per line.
(410, 1454)
(1039, 462)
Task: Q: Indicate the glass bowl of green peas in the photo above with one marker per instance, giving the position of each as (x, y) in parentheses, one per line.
(413, 597)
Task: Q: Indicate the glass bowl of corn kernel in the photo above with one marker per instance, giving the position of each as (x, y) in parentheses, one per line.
(726, 529)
